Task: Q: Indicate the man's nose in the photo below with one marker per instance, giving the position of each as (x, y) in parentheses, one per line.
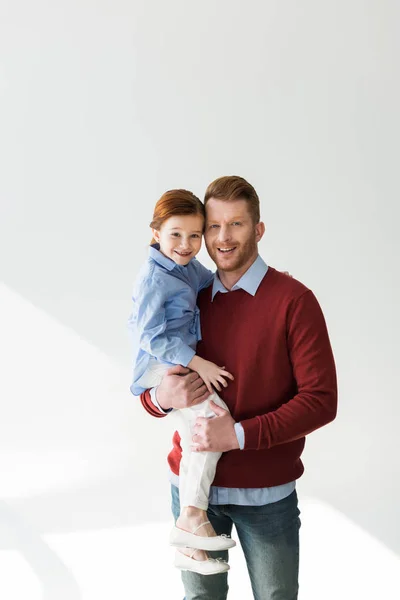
(224, 234)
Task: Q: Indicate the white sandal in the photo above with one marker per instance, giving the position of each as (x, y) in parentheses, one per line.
(186, 539)
(211, 566)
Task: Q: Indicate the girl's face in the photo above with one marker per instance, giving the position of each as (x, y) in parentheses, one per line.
(180, 237)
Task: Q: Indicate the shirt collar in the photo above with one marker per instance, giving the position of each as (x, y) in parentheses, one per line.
(249, 281)
(160, 258)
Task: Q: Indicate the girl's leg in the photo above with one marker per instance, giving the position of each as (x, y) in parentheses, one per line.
(200, 474)
(197, 471)
(153, 375)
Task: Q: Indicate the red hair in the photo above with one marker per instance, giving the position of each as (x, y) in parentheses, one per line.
(232, 187)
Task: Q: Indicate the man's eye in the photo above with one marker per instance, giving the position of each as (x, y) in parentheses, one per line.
(236, 223)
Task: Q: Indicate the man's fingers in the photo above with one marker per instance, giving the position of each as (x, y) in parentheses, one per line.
(177, 370)
(199, 395)
(193, 377)
(200, 391)
(204, 394)
(219, 411)
(196, 384)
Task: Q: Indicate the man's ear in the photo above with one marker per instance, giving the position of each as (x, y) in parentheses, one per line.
(156, 235)
(260, 230)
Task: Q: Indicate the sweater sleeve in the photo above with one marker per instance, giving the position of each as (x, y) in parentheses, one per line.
(315, 403)
(148, 405)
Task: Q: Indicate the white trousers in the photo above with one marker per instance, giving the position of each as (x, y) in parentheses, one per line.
(197, 469)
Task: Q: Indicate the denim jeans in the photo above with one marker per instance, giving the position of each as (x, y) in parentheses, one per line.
(269, 536)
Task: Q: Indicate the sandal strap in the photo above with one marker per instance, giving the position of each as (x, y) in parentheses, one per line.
(197, 528)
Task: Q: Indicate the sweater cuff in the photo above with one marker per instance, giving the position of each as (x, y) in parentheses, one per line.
(253, 433)
(148, 405)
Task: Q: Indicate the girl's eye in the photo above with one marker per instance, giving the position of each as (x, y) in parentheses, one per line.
(195, 235)
(175, 234)
(214, 226)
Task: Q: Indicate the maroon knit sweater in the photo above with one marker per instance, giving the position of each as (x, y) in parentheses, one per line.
(276, 345)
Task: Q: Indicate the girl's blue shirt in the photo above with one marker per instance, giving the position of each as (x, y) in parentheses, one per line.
(165, 320)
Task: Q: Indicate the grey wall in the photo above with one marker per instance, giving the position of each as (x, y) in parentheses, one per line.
(105, 105)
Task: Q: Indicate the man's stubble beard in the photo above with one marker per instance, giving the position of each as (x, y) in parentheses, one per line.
(246, 251)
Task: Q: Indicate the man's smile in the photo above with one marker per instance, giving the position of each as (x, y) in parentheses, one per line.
(227, 250)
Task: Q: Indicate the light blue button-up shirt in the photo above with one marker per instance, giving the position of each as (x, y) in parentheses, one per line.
(165, 318)
(249, 282)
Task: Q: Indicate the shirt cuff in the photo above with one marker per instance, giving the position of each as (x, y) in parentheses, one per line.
(239, 434)
(153, 398)
(184, 356)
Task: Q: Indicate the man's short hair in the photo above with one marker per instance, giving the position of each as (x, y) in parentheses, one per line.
(232, 187)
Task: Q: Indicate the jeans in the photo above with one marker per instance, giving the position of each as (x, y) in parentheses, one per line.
(269, 536)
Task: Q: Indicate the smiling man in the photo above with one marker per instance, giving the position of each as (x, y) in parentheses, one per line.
(268, 330)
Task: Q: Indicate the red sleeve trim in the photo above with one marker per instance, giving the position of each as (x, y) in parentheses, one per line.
(145, 399)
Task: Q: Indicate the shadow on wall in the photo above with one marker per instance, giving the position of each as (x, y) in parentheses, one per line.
(56, 579)
(85, 454)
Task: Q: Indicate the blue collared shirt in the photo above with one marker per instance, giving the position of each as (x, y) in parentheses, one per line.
(249, 282)
(165, 320)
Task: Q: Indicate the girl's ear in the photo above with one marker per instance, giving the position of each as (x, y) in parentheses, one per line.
(156, 235)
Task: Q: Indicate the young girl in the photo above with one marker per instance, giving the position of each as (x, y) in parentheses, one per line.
(166, 328)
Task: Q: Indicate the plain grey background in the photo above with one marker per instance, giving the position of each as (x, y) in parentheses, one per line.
(104, 106)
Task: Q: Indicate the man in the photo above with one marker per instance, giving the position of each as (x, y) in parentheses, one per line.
(268, 330)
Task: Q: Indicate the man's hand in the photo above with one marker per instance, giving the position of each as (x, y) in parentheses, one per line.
(181, 388)
(216, 434)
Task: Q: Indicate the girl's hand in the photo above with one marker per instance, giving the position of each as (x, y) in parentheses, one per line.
(211, 374)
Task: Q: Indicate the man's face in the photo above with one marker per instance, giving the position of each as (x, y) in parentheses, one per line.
(231, 235)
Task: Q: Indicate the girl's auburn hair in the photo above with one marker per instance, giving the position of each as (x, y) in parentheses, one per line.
(175, 203)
